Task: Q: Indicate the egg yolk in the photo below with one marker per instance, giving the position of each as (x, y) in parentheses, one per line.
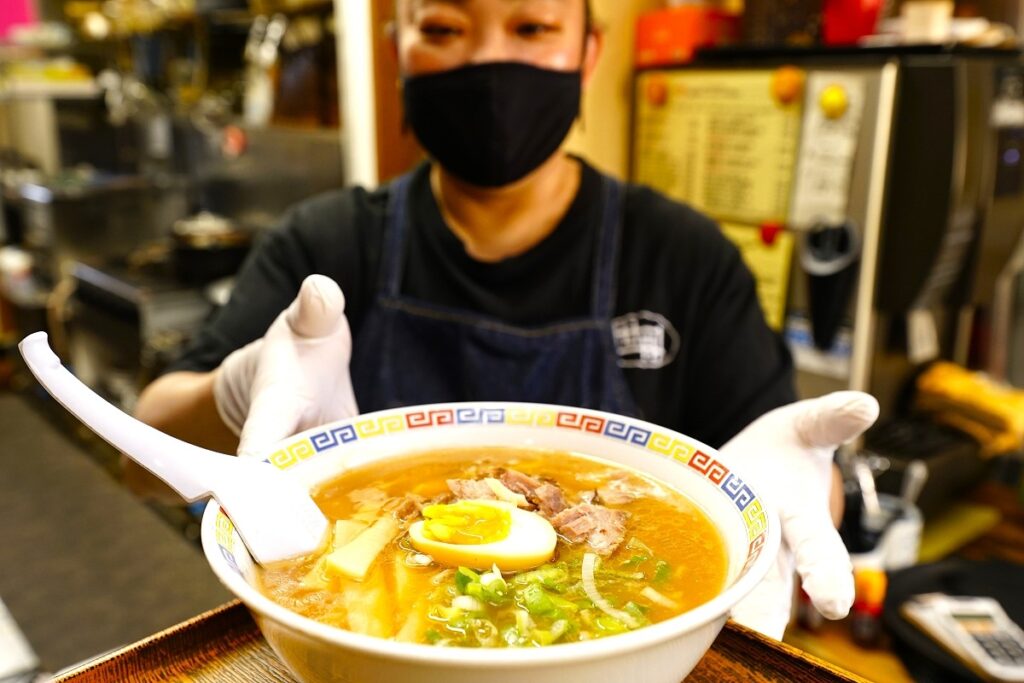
(480, 534)
(466, 523)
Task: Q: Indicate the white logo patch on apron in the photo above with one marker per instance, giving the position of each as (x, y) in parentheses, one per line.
(644, 340)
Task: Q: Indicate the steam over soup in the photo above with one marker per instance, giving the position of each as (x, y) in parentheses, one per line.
(502, 547)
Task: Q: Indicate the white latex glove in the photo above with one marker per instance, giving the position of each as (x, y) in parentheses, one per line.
(787, 453)
(295, 377)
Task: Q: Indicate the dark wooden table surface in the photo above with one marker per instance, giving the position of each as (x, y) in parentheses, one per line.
(225, 645)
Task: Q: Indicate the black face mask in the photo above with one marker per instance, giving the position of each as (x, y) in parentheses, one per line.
(491, 124)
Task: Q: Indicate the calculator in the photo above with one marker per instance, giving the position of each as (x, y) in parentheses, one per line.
(975, 630)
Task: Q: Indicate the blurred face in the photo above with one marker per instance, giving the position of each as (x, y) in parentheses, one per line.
(438, 35)
(491, 88)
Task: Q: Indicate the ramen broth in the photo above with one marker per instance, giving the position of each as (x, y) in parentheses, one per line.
(651, 555)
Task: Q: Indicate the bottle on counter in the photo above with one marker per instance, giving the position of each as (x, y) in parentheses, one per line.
(870, 582)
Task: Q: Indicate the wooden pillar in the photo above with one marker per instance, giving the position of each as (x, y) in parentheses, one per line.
(397, 150)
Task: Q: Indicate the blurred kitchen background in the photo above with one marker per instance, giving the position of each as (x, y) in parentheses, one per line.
(865, 156)
(145, 147)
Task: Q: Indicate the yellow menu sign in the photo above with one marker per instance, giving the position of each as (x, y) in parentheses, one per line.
(769, 261)
(723, 141)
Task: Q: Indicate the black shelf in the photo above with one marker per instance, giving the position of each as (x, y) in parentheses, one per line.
(746, 54)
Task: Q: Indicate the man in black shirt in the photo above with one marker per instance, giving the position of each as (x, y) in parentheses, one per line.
(507, 269)
(686, 312)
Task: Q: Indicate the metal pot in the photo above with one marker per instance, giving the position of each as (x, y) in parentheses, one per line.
(208, 247)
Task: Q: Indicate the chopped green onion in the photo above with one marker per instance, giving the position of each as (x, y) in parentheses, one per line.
(494, 589)
(468, 603)
(563, 604)
(523, 621)
(549, 636)
(464, 576)
(537, 601)
(610, 624)
(553, 576)
(442, 613)
(458, 625)
(636, 560)
(662, 570)
(638, 611)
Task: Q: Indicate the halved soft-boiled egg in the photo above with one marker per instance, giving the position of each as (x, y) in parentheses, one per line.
(483, 533)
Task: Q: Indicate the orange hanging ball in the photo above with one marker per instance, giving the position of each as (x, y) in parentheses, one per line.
(787, 84)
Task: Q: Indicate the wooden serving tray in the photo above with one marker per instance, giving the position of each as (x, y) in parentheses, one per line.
(225, 645)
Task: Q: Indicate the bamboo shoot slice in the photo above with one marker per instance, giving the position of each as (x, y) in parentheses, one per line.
(354, 559)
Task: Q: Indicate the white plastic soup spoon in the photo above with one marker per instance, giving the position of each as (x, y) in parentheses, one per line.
(273, 514)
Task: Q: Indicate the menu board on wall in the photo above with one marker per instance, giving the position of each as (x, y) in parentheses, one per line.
(721, 141)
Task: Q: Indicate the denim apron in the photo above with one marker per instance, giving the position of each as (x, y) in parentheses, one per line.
(411, 352)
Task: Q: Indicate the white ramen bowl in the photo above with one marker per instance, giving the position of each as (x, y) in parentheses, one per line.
(660, 653)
